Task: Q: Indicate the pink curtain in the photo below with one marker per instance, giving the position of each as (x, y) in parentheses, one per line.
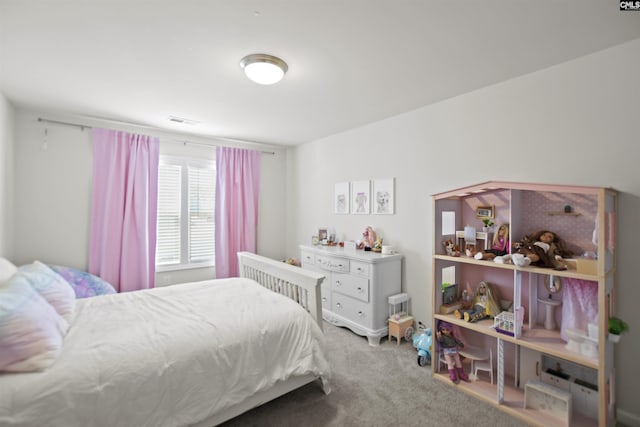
(237, 191)
(579, 305)
(122, 246)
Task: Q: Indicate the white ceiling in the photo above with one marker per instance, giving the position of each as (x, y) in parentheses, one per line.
(351, 62)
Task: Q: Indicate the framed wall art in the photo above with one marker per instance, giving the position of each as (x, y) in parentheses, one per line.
(341, 198)
(360, 197)
(484, 211)
(383, 196)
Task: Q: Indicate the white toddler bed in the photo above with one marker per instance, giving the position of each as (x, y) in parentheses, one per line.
(191, 354)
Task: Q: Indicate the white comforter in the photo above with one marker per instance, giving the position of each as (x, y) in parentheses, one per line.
(166, 357)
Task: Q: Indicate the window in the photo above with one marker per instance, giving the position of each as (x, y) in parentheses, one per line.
(186, 213)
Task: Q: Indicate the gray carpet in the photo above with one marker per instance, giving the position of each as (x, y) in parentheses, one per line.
(375, 386)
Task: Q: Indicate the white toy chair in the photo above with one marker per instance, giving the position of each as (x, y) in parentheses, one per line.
(442, 361)
(484, 365)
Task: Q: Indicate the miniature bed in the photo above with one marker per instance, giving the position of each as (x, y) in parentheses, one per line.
(192, 354)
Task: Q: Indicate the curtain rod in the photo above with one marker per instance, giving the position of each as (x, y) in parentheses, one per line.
(83, 127)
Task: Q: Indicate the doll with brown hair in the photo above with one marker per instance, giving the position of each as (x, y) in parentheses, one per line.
(449, 344)
(500, 244)
(542, 249)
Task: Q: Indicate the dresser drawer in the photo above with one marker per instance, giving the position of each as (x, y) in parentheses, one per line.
(555, 381)
(354, 286)
(359, 268)
(332, 263)
(307, 259)
(325, 290)
(352, 309)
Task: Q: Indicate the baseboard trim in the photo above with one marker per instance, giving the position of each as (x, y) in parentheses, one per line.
(627, 418)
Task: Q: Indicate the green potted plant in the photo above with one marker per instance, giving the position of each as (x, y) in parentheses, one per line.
(617, 327)
(487, 224)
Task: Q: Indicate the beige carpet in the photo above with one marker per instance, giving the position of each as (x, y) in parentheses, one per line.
(375, 386)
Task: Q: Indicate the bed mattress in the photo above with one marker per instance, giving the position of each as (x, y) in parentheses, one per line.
(168, 356)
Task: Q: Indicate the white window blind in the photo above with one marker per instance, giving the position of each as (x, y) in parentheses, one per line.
(202, 196)
(169, 202)
(186, 213)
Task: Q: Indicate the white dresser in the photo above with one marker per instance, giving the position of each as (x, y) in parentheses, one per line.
(357, 287)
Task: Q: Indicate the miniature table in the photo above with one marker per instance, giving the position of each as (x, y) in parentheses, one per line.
(480, 235)
(473, 353)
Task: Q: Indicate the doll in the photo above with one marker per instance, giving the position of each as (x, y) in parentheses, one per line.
(368, 238)
(485, 304)
(542, 249)
(449, 345)
(500, 245)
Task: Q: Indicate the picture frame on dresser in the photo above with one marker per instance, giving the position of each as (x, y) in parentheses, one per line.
(323, 234)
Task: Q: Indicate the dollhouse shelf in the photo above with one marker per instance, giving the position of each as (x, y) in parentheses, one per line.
(562, 213)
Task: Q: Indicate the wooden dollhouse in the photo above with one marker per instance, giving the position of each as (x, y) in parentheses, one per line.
(533, 340)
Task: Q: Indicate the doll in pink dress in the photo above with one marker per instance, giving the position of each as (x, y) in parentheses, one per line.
(500, 245)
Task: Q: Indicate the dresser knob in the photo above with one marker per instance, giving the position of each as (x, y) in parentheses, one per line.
(360, 290)
(338, 305)
(338, 283)
(324, 299)
(360, 313)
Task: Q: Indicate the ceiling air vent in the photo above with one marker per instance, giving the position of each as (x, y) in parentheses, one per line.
(183, 121)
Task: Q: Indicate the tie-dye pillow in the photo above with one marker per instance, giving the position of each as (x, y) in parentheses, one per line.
(84, 284)
(7, 269)
(31, 330)
(52, 287)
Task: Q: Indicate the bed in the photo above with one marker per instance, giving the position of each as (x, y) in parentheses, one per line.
(194, 354)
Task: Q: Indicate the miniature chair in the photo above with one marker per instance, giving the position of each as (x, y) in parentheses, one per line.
(469, 240)
(442, 361)
(484, 365)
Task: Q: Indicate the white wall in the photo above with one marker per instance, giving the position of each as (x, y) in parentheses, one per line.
(53, 195)
(6, 176)
(575, 123)
(52, 192)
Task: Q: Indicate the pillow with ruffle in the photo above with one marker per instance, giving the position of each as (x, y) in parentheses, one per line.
(52, 287)
(31, 330)
(84, 284)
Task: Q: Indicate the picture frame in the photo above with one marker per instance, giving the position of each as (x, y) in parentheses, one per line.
(383, 199)
(360, 197)
(323, 235)
(341, 199)
(485, 211)
(450, 294)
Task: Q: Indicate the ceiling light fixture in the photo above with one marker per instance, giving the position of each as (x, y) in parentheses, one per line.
(263, 69)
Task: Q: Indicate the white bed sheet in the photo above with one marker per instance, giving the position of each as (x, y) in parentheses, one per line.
(169, 356)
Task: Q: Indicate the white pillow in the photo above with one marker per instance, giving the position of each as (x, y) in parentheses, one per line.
(52, 287)
(31, 330)
(7, 269)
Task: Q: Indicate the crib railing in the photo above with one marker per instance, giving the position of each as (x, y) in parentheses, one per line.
(302, 286)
